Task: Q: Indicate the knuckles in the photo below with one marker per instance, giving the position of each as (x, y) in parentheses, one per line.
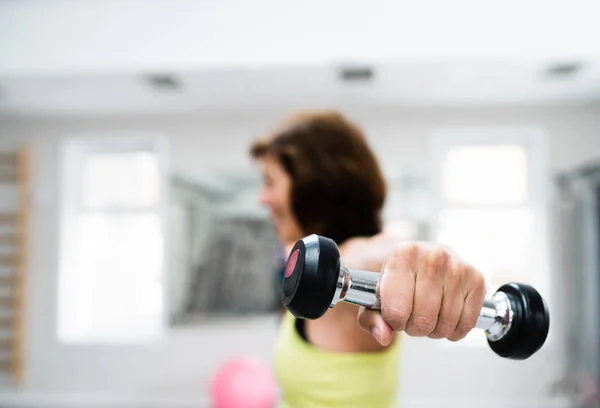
(396, 315)
(407, 251)
(444, 329)
(420, 326)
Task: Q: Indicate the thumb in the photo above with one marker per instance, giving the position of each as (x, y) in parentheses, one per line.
(372, 322)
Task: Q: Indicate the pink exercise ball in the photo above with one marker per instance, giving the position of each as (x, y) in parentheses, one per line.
(244, 382)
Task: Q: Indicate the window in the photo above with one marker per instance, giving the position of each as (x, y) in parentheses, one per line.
(490, 202)
(479, 175)
(112, 249)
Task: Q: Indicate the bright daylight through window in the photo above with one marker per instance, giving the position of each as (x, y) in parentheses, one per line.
(110, 282)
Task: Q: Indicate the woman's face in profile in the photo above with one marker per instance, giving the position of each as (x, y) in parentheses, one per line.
(275, 195)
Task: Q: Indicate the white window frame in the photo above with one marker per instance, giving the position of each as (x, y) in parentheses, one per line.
(534, 141)
(73, 150)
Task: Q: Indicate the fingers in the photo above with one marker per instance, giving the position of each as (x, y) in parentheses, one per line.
(372, 322)
(452, 303)
(428, 293)
(471, 308)
(397, 288)
(427, 290)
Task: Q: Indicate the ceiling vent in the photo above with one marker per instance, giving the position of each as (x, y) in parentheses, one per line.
(563, 70)
(356, 74)
(163, 82)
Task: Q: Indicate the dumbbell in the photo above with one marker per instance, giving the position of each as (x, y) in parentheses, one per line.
(515, 319)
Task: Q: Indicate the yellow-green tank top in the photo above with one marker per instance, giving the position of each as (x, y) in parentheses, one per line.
(312, 378)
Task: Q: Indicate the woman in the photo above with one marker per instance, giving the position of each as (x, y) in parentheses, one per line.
(320, 176)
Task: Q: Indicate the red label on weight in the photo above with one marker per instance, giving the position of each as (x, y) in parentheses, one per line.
(291, 263)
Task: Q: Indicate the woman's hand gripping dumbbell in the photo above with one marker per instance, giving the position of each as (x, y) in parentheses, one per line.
(427, 291)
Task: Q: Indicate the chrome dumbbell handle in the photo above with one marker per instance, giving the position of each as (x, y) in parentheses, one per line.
(362, 288)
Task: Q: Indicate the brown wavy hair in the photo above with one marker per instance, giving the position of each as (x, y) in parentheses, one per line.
(338, 189)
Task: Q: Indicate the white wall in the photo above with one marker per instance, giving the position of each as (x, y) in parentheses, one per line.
(398, 135)
(181, 365)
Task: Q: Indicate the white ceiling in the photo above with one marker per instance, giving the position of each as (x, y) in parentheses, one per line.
(99, 36)
(87, 57)
(407, 84)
